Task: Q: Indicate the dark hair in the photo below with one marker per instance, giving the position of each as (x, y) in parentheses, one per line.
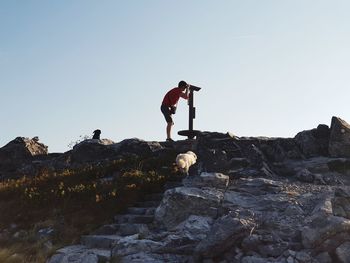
(182, 84)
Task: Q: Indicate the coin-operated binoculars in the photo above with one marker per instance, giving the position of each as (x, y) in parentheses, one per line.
(190, 133)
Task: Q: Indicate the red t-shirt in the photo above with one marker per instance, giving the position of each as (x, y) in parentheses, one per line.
(172, 97)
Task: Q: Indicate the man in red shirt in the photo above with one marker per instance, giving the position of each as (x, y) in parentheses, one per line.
(170, 102)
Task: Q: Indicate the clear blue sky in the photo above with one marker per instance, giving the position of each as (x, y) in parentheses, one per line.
(267, 67)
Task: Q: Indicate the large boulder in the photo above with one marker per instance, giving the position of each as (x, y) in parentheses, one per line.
(22, 148)
(180, 203)
(324, 231)
(226, 232)
(18, 153)
(343, 253)
(92, 150)
(137, 147)
(341, 203)
(132, 244)
(339, 142)
(217, 151)
(314, 142)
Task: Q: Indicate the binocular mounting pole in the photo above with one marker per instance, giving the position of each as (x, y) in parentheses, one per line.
(190, 133)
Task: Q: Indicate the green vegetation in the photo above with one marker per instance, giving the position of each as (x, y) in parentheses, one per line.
(73, 202)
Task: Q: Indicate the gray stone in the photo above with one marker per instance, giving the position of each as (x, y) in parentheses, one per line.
(257, 186)
(75, 254)
(224, 234)
(314, 142)
(195, 227)
(305, 176)
(254, 259)
(92, 150)
(17, 157)
(179, 203)
(324, 257)
(341, 203)
(99, 241)
(142, 257)
(215, 180)
(339, 142)
(57, 258)
(132, 245)
(132, 229)
(268, 202)
(322, 228)
(343, 253)
(303, 257)
(137, 147)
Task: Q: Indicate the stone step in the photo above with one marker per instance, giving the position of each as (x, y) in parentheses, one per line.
(132, 229)
(141, 210)
(134, 219)
(103, 255)
(99, 241)
(145, 204)
(136, 210)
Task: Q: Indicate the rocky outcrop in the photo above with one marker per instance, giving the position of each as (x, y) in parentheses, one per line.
(179, 203)
(314, 142)
(249, 200)
(339, 142)
(18, 153)
(22, 148)
(92, 150)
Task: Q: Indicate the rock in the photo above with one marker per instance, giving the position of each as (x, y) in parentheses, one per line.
(324, 257)
(303, 257)
(142, 257)
(137, 147)
(195, 227)
(322, 228)
(79, 254)
(92, 150)
(314, 142)
(341, 203)
(273, 149)
(305, 175)
(226, 232)
(343, 253)
(256, 186)
(18, 153)
(254, 259)
(266, 247)
(23, 148)
(215, 180)
(341, 165)
(339, 142)
(132, 245)
(216, 151)
(179, 203)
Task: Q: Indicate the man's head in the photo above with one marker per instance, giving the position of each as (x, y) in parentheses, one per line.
(182, 84)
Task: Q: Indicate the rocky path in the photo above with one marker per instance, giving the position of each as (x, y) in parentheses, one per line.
(137, 220)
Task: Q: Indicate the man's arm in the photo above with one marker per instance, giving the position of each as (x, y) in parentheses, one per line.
(184, 95)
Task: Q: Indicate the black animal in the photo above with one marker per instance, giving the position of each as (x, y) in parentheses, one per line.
(97, 134)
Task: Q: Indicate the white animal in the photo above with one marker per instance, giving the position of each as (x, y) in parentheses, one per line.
(185, 160)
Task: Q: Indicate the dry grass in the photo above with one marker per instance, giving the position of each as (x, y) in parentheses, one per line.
(72, 202)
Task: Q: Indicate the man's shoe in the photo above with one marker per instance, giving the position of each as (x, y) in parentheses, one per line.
(169, 140)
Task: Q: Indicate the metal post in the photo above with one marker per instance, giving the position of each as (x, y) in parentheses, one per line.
(190, 133)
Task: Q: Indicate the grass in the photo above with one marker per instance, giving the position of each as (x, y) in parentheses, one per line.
(72, 202)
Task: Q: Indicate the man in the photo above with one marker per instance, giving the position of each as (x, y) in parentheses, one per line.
(169, 105)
